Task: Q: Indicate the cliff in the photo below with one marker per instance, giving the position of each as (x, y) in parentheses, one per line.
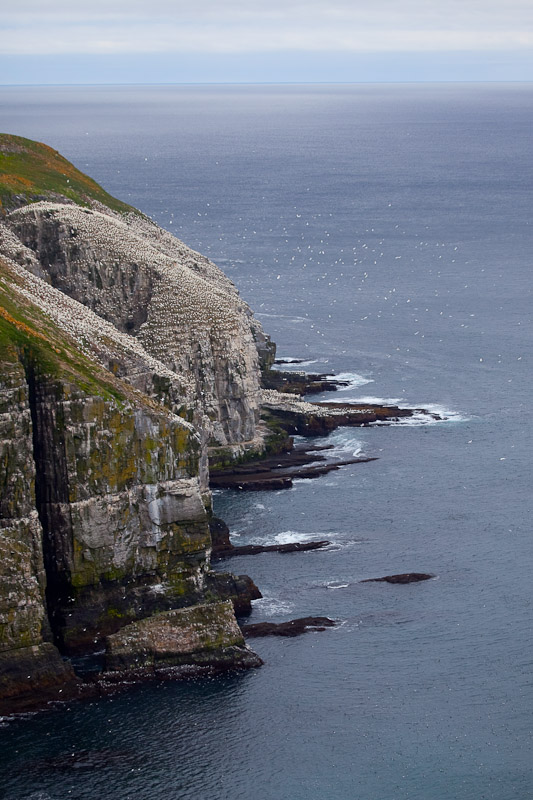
(127, 362)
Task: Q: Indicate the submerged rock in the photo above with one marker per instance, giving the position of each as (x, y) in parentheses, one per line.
(405, 577)
(204, 636)
(293, 627)
(223, 547)
(255, 549)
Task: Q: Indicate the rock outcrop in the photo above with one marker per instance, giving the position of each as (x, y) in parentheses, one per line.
(279, 471)
(299, 417)
(404, 577)
(202, 636)
(294, 627)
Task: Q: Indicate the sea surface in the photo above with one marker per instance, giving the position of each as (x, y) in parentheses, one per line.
(383, 232)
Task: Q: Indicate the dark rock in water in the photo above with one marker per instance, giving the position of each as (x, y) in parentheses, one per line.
(300, 383)
(330, 416)
(254, 549)
(219, 534)
(293, 627)
(405, 577)
(240, 589)
(277, 472)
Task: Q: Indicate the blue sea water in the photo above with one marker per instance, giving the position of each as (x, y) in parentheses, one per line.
(385, 232)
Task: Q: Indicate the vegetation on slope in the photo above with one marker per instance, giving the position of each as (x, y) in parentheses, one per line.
(31, 171)
(25, 331)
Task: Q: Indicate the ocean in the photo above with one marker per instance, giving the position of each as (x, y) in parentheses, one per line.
(382, 232)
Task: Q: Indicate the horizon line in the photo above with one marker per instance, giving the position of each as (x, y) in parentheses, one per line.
(260, 83)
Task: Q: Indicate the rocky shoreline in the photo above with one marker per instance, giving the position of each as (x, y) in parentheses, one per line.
(287, 415)
(164, 645)
(278, 472)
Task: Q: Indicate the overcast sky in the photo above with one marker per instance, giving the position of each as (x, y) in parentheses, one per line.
(67, 41)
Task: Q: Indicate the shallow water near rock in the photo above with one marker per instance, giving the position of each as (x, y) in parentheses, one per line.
(384, 232)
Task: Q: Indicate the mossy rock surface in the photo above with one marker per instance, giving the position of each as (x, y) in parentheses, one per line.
(204, 635)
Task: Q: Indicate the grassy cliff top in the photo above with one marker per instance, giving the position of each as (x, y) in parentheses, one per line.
(31, 171)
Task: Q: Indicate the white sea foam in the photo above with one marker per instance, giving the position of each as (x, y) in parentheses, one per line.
(264, 314)
(308, 363)
(342, 443)
(273, 605)
(336, 546)
(288, 537)
(447, 414)
(337, 585)
(353, 379)
(375, 401)
(418, 418)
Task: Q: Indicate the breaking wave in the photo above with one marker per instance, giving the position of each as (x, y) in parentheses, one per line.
(288, 537)
(353, 379)
(419, 417)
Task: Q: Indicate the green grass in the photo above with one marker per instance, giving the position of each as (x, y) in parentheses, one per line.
(34, 170)
(28, 335)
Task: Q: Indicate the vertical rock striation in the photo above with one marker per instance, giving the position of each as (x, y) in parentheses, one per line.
(28, 660)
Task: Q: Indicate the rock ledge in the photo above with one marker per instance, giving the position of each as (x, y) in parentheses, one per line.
(198, 636)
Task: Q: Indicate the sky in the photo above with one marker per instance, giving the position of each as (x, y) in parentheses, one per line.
(173, 41)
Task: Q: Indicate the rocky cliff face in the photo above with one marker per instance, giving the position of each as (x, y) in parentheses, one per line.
(177, 304)
(126, 360)
(23, 619)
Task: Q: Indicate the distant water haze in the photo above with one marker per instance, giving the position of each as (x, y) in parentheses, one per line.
(381, 232)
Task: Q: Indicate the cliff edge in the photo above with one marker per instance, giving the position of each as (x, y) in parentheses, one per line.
(127, 363)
